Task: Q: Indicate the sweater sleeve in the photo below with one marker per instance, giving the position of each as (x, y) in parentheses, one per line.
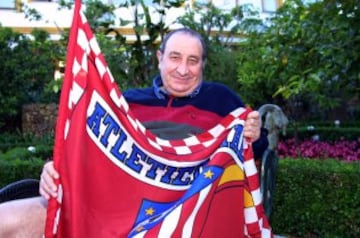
(261, 144)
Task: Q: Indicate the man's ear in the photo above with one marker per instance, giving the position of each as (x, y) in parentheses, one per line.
(159, 55)
(203, 65)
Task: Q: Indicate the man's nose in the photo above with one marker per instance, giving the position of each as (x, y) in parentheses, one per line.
(182, 68)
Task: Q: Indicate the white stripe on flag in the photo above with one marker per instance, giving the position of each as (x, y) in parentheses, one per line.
(170, 222)
(188, 227)
(250, 168)
(140, 234)
(75, 94)
(250, 215)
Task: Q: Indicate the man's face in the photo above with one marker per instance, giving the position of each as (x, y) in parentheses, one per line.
(181, 64)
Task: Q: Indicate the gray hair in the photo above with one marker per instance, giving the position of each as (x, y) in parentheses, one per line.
(187, 31)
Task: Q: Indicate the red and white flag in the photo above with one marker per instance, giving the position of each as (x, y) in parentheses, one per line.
(117, 179)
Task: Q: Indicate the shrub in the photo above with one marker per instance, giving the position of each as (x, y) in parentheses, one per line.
(17, 169)
(325, 133)
(22, 156)
(317, 198)
(40, 152)
(27, 66)
(10, 141)
(307, 55)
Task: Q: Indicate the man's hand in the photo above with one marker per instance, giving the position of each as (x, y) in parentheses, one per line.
(252, 126)
(48, 176)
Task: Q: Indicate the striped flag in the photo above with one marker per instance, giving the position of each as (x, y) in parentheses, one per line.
(117, 179)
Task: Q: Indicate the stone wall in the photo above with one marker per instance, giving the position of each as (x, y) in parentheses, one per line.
(39, 119)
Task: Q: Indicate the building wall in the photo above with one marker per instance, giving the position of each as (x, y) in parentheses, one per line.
(55, 19)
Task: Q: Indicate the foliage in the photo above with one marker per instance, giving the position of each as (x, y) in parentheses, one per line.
(324, 133)
(8, 98)
(22, 156)
(17, 169)
(28, 153)
(42, 145)
(26, 66)
(316, 198)
(304, 54)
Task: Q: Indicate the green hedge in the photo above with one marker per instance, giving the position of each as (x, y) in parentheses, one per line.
(325, 133)
(19, 162)
(317, 198)
(17, 169)
(11, 141)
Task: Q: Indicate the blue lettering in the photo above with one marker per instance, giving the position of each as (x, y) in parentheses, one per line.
(180, 180)
(111, 127)
(155, 165)
(134, 157)
(94, 120)
(166, 178)
(115, 150)
(235, 143)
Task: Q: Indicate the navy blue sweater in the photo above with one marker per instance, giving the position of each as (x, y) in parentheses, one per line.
(178, 117)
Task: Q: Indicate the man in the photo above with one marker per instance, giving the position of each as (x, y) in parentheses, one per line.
(178, 105)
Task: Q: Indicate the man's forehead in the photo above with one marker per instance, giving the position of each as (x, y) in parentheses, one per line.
(184, 55)
(182, 43)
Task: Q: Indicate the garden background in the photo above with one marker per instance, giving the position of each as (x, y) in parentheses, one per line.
(305, 58)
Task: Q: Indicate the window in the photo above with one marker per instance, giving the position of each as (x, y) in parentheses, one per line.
(270, 5)
(10, 4)
(117, 2)
(42, 0)
(221, 4)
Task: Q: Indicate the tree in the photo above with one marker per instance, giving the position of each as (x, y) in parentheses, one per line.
(307, 55)
(27, 65)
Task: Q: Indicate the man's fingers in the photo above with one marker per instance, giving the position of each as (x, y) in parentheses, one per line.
(252, 126)
(47, 181)
(50, 169)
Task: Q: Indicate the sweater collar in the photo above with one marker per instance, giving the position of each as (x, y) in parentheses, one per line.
(161, 93)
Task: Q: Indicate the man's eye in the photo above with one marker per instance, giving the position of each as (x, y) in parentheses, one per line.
(193, 61)
(174, 57)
